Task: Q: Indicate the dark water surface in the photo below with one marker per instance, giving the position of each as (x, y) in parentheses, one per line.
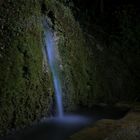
(62, 128)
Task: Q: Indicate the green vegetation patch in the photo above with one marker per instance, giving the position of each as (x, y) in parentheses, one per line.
(25, 93)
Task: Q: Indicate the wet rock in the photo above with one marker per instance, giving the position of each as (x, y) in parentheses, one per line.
(127, 128)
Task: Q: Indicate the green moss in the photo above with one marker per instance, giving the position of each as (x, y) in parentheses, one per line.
(25, 93)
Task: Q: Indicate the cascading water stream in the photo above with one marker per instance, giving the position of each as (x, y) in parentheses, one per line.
(52, 56)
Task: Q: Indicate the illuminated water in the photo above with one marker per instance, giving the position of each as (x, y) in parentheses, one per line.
(53, 58)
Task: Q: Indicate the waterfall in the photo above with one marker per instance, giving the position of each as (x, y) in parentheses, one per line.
(52, 55)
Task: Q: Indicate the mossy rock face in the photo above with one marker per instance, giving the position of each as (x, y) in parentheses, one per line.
(97, 66)
(25, 93)
(76, 64)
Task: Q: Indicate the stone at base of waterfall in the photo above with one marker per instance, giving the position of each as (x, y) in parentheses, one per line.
(127, 128)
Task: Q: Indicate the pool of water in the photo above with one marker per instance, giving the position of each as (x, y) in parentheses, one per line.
(55, 128)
